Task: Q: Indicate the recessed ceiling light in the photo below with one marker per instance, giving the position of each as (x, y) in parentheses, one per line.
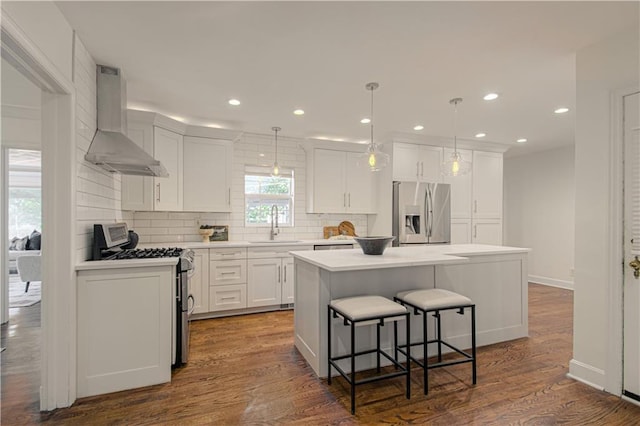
(521, 140)
(480, 135)
(365, 121)
(299, 112)
(490, 96)
(418, 127)
(234, 102)
(561, 110)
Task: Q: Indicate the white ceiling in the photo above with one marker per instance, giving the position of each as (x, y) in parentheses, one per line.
(188, 59)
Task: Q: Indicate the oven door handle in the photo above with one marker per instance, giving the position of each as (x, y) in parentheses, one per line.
(193, 304)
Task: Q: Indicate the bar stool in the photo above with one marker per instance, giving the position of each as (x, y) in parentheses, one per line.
(367, 310)
(435, 300)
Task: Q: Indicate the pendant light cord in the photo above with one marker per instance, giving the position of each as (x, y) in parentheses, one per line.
(372, 144)
(455, 102)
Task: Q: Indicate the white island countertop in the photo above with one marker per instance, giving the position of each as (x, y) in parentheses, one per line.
(395, 257)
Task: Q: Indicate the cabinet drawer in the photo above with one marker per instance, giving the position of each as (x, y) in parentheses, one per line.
(226, 297)
(224, 272)
(228, 253)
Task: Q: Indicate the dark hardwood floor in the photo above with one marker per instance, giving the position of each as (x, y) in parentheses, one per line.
(245, 370)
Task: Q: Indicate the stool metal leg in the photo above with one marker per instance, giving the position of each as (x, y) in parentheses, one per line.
(439, 336)
(353, 368)
(408, 319)
(395, 341)
(473, 341)
(378, 347)
(329, 344)
(425, 336)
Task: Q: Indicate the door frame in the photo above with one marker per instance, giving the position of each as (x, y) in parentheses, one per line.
(58, 306)
(616, 267)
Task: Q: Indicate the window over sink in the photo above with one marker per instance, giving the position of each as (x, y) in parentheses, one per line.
(262, 191)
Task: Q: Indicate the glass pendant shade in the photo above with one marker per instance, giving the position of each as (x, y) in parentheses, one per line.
(455, 165)
(373, 159)
(275, 170)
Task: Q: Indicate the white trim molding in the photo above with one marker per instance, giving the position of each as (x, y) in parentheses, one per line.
(586, 374)
(552, 282)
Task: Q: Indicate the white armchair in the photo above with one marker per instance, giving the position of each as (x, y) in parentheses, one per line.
(29, 268)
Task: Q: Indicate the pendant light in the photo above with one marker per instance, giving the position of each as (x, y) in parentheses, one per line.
(455, 165)
(373, 158)
(275, 170)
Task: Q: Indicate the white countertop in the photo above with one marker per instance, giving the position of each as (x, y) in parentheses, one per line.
(125, 263)
(395, 257)
(261, 243)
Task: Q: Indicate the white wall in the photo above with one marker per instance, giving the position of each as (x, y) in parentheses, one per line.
(539, 210)
(98, 191)
(600, 68)
(48, 30)
(168, 227)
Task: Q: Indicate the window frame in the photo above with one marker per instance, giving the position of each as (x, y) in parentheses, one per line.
(266, 172)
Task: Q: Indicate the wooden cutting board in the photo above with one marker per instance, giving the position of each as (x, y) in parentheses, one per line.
(347, 228)
(330, 231)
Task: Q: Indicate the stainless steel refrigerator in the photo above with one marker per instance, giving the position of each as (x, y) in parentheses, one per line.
(421, 213)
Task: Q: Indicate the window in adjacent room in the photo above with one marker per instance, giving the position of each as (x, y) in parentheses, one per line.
(262, 191)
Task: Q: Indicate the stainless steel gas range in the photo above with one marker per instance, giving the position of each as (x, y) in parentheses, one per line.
(112, 242)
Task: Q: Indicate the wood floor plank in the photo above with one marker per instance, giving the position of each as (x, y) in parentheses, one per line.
(245, 370)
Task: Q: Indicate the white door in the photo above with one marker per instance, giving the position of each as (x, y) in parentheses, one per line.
(406, 164)
(360, 184)
(207, 177)
(631, 310)
(487, 185)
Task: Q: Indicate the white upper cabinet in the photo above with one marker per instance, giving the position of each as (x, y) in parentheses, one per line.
(337, 185)
(461, 199)
(168, 150)
(207, 174)
(487, 185)
(412, 162)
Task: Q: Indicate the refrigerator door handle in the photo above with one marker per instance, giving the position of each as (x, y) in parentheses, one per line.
(428, 203)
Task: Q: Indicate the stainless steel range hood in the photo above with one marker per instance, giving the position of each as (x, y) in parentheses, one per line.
(110, 147)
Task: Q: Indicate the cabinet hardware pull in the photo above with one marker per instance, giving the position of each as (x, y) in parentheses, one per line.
(279, 280)
(158, 198)
(227, 273)
(475, 231)
(349, 200)
(344, 199)
(285, 273)
(227, 298)
(475, 206)
(229, 191)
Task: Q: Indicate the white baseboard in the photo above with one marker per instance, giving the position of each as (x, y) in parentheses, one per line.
(552, 282)
(586, 374)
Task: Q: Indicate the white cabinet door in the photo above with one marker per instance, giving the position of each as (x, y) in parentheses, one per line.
(264, 282)
(412, 162)
(487, 185)
(329, 180)
(360, 183)
(487, 231)
(288, 284)
(460, 188)
(207, 174)
(137, 191)
(199, 281)
(406, 162)
(460, 231)
(168, 150)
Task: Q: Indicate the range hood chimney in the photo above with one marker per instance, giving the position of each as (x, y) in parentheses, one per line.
(111, 148)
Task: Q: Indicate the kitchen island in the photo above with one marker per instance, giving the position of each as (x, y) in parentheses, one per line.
(494, 277)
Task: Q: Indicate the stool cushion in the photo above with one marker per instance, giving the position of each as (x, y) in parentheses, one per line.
(434, 298)
(361, 307)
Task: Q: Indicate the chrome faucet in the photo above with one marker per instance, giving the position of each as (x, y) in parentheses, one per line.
(274, 218)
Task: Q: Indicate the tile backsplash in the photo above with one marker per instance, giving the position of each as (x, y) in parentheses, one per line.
(174, 227)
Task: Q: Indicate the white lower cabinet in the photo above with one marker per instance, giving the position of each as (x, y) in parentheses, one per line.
(460, 231)
(124, 328)
(265, 282)
(199, 282)
(227, 279)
